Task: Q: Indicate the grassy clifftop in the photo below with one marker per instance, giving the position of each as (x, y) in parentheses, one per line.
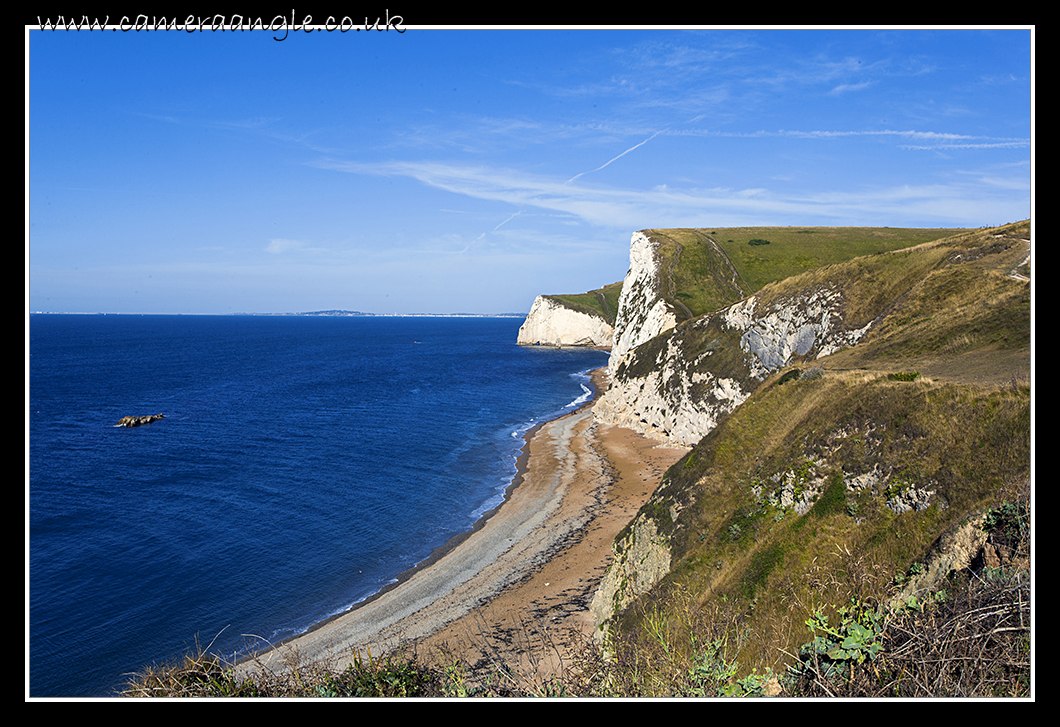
(602, 302)
(704, 270)
(707, 269)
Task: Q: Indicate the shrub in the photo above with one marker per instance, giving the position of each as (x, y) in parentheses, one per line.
(1011, 521)
(975, 643)
(835, 648)
(812, 374)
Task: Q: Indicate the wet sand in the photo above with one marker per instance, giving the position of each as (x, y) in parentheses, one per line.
(517, 588)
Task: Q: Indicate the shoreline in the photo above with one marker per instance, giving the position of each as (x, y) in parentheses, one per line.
(597, 378)
(440, 551)
(549, 520)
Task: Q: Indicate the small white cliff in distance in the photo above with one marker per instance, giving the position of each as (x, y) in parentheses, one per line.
(550, 323)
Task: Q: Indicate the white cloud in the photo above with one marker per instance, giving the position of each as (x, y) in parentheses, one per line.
(955, 204)
(280, 245)
(845, 87)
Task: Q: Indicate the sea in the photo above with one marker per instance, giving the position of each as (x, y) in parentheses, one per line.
(302, 464)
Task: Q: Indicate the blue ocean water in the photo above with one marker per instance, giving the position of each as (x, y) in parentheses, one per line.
(302, 464)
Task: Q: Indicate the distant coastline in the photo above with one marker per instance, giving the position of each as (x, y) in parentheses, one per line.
(396, 315)
(334, 313)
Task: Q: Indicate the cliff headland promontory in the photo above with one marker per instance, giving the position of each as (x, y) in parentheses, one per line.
(587, 319)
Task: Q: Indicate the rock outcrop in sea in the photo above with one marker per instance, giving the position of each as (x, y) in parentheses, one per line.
(138, 421)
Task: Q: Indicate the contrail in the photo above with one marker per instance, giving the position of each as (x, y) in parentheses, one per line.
(627, 151)
(508, 220)
(502, 224)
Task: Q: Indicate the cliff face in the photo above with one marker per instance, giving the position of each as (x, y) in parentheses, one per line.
(641, 559)
(643, 313)
(677, 385)
(552, 323)
(673, 382)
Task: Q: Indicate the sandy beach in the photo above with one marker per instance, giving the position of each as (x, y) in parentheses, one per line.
(516, 588)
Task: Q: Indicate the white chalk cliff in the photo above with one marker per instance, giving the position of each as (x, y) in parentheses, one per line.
(551, 323)
(642, 311)
(674, 382)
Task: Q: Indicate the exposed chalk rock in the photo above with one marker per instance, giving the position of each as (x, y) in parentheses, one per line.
(642, 311)
(552, 323)
(640, 560)
(676, 386)
(809, 321)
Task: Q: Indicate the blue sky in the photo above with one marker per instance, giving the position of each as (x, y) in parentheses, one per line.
(442, 170)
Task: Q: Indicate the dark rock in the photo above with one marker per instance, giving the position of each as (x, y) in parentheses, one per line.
(138, 421)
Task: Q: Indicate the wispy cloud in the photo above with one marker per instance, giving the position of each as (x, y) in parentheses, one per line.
(627, 208)
(847, 87)
(1001, 144)
(927, 139)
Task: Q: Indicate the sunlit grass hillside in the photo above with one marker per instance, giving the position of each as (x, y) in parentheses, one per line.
(842, 476)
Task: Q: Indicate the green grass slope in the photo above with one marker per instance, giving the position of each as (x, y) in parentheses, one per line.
(841, 476)
(793, 250)
(602, 302)
(705, 270)
(968, 319)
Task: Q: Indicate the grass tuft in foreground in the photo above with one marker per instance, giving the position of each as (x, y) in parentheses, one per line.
(203, 675)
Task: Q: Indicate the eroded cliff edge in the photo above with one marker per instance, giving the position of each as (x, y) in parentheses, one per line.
(677, 384)
(673, 373)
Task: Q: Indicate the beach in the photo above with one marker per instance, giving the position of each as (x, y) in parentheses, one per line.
(517, 587)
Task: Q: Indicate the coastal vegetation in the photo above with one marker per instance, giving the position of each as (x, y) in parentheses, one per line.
(859, 526)
(709, 269)
(816, 503)
(968, 639)
(602, 301)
